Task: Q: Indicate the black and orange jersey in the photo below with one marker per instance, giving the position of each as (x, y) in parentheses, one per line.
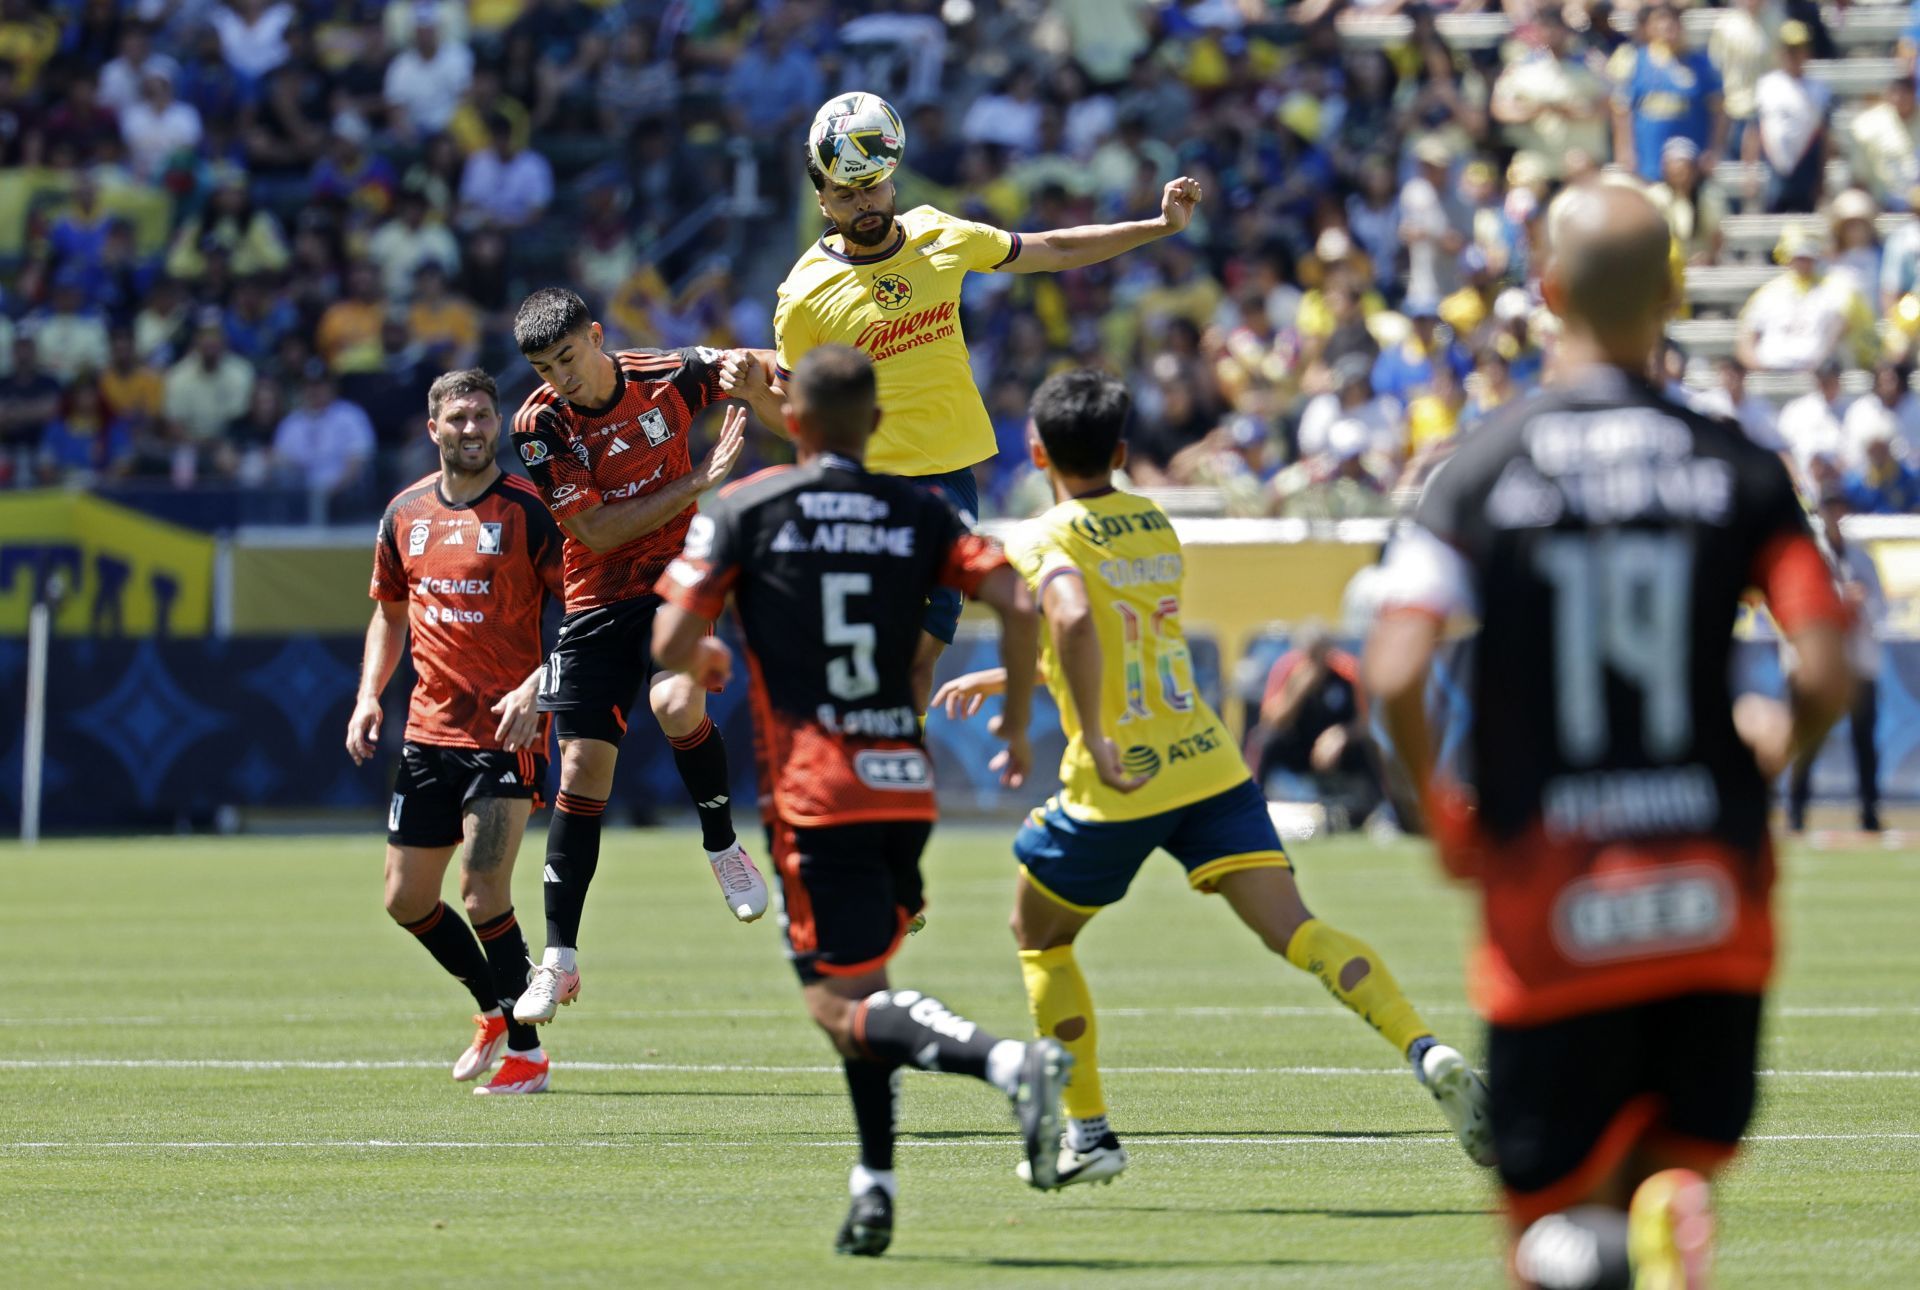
(475, 576)
(829, 567)
(637, 444)
(1605, 537)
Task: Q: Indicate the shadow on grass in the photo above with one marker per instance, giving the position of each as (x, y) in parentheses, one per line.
(1279, 1211)
(1382, 1134)
(684, 1092)
(1112, 1265)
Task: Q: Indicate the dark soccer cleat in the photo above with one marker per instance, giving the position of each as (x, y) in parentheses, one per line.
(868, 1230)
(1044, 1071)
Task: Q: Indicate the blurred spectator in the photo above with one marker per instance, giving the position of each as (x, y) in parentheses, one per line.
(1730, 398)
(157, 128)
(253, 37)
(81, 126)
(424, 82)
(1806, 315)
(71, 338)
(1352, 399)
(250, 237)
(1549, 100)
(122, 78)
(774, 88)
(1434, 415)
(1693, 203)
(350, 175)
(407, 241)
(78, 238)
(1373, 217)
(503, 187)
(1885, 145)
(1433, 222)
(1856, 241)
(635, 85)
(85, 439)
(1880, 483)
(1894, 398)
(132, 391)
(441, 322)
(1008, 116)
(1668, 91)
(29, 399)
(1813, 426)
(27, 39)
(1492, 386)
(1337, 484)
(348, 337)
(325, 443)
(1313, 721)
(1790, 128)
(209, 388)
(1900, 272)
(1741, 49)
(1403, 370)
(1860, 584)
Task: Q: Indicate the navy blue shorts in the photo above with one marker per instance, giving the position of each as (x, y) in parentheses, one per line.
(1085, 864)
(962, 493)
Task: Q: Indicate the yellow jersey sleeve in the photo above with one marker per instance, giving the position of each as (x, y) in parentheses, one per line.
(793, 334)
(984, 247)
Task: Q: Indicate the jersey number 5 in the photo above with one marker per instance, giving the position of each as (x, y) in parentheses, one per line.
(1171, 659)
(855, 676)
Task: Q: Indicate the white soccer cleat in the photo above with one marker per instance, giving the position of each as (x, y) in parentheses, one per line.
(1463, 1098)
(548, 987)
(1101, 1163)
(481, 1054)
(520, 1073)
(745, 890)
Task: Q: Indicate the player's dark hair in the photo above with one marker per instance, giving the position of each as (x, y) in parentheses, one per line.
(816, 176)
(1081, 415)
(452, 385)
(834, 393)
(547, 317)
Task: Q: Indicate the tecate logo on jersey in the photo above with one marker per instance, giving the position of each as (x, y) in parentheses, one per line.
(1666, 909)
(902, 769)
(453, 617)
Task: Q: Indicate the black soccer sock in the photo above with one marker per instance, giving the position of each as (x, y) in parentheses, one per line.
(446, 937)
(701, 759)
(872, 1085)
(506, 948)
(573, 853)
(907, 1028)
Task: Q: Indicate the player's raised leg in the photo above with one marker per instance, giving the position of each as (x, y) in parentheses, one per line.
(494, 827)
(1268, 900)
(1044, 927)
(573, 855)
(700, 755)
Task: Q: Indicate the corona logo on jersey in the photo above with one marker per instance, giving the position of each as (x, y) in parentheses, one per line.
(891, 291)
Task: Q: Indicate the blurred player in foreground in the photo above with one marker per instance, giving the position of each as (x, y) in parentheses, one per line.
(1107, 571)
(464, 559)
(829, 566)
(605, 439)
(1615, 815)
(888, 284)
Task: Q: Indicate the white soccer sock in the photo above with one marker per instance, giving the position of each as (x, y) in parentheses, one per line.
(863, 1180)
(1004, 1060)
(561, 957)
(1085, 1135)
(534, 1054)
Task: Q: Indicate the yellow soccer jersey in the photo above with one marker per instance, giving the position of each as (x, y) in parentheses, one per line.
(1124, 549)
(901, 307)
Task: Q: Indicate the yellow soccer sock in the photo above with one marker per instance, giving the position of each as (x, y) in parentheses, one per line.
(1063, 1010)
(1355, 975)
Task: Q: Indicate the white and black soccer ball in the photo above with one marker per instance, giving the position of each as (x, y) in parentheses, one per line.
(856, 139)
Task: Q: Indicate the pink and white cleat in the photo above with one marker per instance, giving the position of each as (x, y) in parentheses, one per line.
(520, 1073)
(740, 882)
(481, 1054)
(548, 987)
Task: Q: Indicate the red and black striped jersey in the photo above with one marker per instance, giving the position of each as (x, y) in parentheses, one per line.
(475, 576)
(637, 444)
(829, 566)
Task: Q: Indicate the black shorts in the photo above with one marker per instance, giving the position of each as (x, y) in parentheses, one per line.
(848, 893)
(601, 663)
(435, 783)
(1573, 1098)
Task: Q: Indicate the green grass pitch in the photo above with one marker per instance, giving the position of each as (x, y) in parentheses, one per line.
(697, 1131)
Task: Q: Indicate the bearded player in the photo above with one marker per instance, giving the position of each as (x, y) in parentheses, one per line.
(464, 560)
(605, 439)
(889, 285)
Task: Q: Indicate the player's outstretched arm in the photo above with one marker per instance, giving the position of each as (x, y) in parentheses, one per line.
(1075, 248)
(753, 377)
(1005, 592)
(681, 644)
(609, 525)
(1076, 643)
(519, 713)
(386, 637)
(1399, 653)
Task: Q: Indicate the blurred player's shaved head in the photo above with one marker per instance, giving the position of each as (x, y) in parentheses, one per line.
(1607, 273)
(833, 401)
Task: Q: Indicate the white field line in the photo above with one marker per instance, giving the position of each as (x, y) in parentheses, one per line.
(1863, 1011)
(750, 1068)
(1001, 1143)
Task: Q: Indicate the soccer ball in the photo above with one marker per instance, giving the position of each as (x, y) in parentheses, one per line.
(856, 139)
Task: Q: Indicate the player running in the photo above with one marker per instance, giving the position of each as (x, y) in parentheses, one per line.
(828, 565)
(464, 559)
(889, 285)
(1149, 765)
(1615, 814)
(605, 440)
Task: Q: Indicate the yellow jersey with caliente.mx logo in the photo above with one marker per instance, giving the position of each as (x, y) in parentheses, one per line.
(900, 306)
(1124, 549)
